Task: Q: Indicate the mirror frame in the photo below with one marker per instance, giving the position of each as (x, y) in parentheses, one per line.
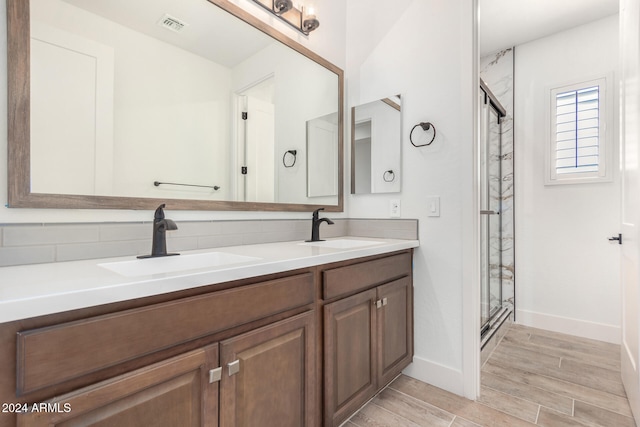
(18, 161)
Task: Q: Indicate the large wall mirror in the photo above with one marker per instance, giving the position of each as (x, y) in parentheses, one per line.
(127, 104)
(376, 131)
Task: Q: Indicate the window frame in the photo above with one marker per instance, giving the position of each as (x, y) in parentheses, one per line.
(605, 137)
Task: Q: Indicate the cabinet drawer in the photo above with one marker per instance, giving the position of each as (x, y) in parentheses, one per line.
(51, 355)
(352, 278)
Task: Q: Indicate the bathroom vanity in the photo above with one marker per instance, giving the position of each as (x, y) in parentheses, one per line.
(293, 335)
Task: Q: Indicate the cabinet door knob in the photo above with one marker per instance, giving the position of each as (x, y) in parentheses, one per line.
(234, 367)
(378, 303)
(384, 302)
(215, 375)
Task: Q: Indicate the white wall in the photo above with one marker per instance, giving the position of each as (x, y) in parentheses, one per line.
(422, 50)
(567, 273)
(327, 41)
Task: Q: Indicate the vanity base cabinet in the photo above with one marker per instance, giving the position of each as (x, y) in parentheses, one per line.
(240, 356)
(368, 337)
(302, 348)
(175, 392)
(265, 378)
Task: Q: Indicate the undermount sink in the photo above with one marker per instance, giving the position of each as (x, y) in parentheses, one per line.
(342, 243)
(170, 264)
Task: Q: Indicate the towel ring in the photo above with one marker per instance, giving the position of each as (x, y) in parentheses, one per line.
(389, 176)
(425, 127)
(284, 161)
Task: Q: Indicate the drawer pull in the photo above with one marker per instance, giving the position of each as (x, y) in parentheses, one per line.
(379, 303)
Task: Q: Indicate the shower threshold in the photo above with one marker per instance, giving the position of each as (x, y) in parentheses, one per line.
(493, 325)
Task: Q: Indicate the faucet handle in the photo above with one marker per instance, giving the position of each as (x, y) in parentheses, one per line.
(317, 212)
(159, 212)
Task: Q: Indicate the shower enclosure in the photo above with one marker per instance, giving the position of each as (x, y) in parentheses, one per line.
(491, 240)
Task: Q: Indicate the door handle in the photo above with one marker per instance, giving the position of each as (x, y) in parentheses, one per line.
(618, 238)
(483, 212)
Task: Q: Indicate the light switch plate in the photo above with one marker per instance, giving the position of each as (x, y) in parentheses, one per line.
(433, 206)
(394, 208)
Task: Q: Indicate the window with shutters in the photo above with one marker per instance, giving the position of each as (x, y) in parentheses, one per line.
(577, 150)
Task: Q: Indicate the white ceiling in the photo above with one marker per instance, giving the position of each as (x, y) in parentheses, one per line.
(506, 23)
(210, 32)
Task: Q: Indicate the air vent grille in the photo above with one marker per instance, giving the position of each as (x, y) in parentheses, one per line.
(171, 23)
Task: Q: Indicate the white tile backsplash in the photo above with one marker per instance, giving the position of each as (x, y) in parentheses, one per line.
(48, 234)
(41, 243)
(26, 255)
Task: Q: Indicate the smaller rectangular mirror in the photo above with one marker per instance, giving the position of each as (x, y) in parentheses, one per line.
(376, 135)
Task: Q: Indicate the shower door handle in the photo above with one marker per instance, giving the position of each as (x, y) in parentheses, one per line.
(489, 213)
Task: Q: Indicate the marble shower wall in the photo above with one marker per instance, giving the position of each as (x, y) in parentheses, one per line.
(497, 72)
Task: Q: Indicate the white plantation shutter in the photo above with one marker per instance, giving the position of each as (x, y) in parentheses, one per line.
(577, 150)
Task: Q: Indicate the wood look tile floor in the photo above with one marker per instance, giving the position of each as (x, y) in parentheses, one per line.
(533, 377)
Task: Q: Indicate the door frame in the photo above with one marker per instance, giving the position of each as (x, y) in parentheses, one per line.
(471, 229)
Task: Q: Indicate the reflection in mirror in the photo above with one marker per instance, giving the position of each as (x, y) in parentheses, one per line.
(322, 156)
(127, 94)
(375, 146)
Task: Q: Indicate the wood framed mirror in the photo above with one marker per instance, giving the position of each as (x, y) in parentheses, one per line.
(116, 104)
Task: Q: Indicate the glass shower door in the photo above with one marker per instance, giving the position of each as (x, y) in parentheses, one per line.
(490, 222)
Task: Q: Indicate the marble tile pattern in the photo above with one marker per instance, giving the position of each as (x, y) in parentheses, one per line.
(497, 72)
(533, 377)
(22, 244)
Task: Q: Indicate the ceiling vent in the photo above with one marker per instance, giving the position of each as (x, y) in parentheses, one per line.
(171, 23)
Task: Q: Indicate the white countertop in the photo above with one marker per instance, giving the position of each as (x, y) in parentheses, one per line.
(35, 290)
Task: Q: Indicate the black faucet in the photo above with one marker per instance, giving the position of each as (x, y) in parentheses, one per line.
(315, 226)
(160, 227)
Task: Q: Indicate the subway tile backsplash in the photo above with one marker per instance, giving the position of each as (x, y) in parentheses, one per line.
(41, 243)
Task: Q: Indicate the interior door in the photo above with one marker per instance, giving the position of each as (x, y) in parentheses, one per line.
(260, 151)
(630, 138)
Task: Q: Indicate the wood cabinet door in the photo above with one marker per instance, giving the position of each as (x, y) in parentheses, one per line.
(349, 355)
(175, 392)
(395, 329)
(268, 376)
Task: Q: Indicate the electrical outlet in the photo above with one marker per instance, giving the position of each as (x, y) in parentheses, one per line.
(394, 208)
(433, 206)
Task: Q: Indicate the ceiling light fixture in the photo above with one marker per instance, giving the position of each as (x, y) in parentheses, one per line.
(300, 19)
(282, 6)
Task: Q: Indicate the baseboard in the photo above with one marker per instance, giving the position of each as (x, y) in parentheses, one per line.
(566, 325)
(443, 377)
